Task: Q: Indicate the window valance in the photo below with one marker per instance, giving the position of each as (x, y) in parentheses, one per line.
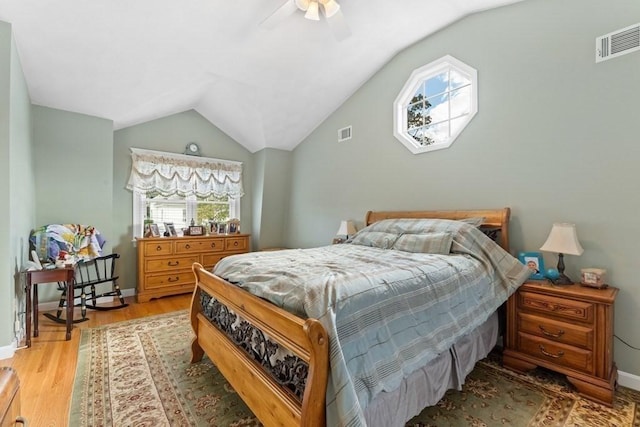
(177, 174)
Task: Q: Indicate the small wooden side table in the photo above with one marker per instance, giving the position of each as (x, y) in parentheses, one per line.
(56, 275)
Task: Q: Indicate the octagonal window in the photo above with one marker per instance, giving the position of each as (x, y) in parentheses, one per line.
(435, 105)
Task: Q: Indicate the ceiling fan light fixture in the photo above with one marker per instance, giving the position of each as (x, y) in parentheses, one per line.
(302, 4)
(312, 11)
(330, 7)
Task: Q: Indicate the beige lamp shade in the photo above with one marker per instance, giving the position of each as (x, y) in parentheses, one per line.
(346, 229)
(563, 239)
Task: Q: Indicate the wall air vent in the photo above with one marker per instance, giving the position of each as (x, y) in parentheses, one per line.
(618, 43)
(344, 134)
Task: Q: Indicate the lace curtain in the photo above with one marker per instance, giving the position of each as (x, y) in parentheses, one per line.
(182, 175)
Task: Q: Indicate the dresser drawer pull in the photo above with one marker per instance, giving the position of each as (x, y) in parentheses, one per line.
(235, 243)
(213, 245)
(546, 353)
(158, 248)
(187, 246)
(173, 264)
(172, 279)
(551, 334)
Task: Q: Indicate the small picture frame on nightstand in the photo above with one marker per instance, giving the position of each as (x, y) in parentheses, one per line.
(534, 261)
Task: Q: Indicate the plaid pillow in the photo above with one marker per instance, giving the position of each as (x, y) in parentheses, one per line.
(429, 243)
(376, 239)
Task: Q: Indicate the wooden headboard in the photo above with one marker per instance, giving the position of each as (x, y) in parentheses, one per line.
(494, 219)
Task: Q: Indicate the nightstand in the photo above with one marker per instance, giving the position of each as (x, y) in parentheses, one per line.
(568, 329)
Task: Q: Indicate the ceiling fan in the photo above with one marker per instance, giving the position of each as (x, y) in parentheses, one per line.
(330, 9)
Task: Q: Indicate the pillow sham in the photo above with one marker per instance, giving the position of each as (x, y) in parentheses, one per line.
(429, 243)
(376, 239)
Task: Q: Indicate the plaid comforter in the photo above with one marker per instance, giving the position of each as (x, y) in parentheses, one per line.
(387, 312)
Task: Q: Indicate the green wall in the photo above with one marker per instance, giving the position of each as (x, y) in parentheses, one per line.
(555, 138)
(170, 134)
(73, 158)
(17, 194)
(272, 182)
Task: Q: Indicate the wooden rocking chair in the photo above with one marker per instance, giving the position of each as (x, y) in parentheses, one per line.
(88, 274)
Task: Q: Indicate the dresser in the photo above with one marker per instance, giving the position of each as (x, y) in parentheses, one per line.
(9, 399)
(164, 263)
(568, 329)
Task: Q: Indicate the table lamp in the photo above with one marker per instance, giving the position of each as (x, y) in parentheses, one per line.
(346, 229)
(562, 240)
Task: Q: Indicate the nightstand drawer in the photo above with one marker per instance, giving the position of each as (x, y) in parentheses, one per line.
(560, 307)
(556, 353)
(556, 331)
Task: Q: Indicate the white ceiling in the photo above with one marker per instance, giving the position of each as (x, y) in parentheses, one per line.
(132, 61)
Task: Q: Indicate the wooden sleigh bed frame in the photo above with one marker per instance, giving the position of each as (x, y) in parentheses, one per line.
(292, 392)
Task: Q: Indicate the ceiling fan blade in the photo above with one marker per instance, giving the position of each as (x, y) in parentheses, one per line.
(279, 15)
(339, 26)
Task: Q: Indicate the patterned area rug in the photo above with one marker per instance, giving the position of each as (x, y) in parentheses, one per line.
(137, 373)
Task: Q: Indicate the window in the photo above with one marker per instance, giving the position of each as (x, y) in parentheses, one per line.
(435, 105)
(181, 210)
(178, 188)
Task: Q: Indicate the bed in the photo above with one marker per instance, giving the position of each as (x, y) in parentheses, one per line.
(334, 346)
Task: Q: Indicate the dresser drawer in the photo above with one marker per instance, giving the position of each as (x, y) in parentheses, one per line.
(157, 248)
(556, 353)
(559, 307)
(557, 331)
(210, 260)
(198, 246)
(171, 263)
(236, 243)
(169, 280)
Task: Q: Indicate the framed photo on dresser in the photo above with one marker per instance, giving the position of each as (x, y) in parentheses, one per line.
(170, 228)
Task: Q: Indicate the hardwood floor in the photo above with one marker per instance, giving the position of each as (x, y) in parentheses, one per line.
(47, 369)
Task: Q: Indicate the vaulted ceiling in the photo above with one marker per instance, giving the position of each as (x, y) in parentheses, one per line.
(132, 61)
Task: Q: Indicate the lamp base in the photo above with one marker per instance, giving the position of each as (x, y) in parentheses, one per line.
(562, 280)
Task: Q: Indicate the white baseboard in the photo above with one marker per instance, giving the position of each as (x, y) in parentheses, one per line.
(629, 380)
(7, 351)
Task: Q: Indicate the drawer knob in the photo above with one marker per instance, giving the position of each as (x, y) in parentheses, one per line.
(551, 334)
(235, 243)
(213, 245)
(173, 279)
(173, 264)
(158, 248)
(188, 246)
(546, 353)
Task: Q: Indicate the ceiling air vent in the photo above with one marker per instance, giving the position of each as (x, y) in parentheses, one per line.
(618, 43)
(344, 134)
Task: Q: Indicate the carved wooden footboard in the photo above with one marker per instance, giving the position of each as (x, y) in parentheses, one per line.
(248, 333)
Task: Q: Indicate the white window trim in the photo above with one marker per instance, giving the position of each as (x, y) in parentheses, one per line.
(418, 76)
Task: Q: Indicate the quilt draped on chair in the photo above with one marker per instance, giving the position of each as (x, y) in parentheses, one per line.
(84, 242)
